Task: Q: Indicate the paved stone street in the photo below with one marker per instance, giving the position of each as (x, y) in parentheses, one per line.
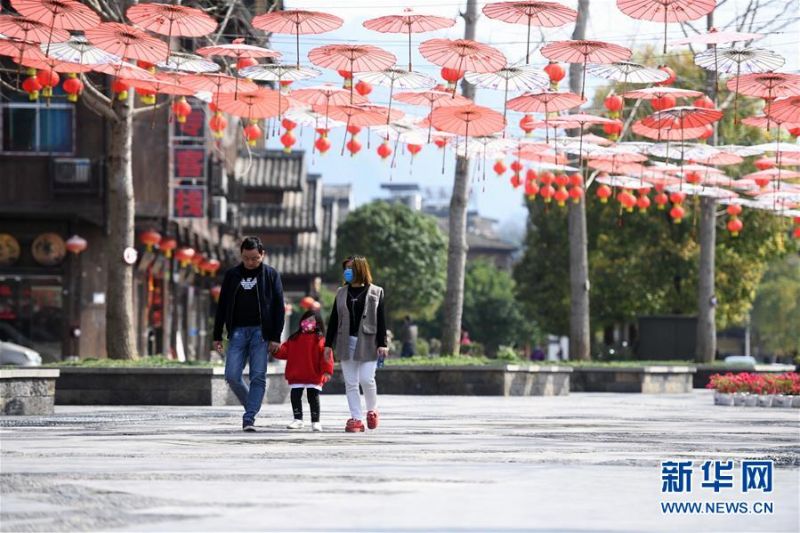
(586, 462)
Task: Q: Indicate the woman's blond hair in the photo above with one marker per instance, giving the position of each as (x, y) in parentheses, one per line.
(361, 272)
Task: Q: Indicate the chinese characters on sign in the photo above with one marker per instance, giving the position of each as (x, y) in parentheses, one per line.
(676, 476)
(189, 162)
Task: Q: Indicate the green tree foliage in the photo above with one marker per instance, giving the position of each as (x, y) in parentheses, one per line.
(776, 311)
(642, 263)
(406, 251)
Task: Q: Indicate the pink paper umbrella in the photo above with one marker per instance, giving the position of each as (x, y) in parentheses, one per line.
(26, 29)
(666, 11)
(531, 13)
(170, 19)
(20, 50)
(325, 96)
(436, 97)
(352, 58)
(463, 55)
(785, 110)
(63, 14)
(408, 22)
(263, 103)
(584, 52)
(127, 42)
(469, 120)
(297, 22)
(667, 134)
(545, 102)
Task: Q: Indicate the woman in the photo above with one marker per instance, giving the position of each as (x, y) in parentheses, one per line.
(357, 333)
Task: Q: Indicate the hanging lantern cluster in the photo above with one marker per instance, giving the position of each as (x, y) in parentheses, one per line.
(217, 123)
(384, 150)
(735, 224)
(167, 246)
(527, 124)
(32, 85)
(322, 144)
(146, 96)
(288, 140)
(150, 239)
(516, 168)
(252, 133)
(643, 200)
(499, 167)
(627, 200)
(73, 86)
(353, 145)
(549, 186)
(603, 193)
(184, 256)
(181, 109)
(677, 212)
(556, 73)
(661, 198)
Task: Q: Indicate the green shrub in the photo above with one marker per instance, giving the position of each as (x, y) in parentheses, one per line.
(422, 348)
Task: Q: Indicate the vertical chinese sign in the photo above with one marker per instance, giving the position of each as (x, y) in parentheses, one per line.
(188, 183)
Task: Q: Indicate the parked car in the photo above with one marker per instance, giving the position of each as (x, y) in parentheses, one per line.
(14, 354)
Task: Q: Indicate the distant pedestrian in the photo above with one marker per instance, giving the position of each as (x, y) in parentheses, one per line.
(408, 337)
(357, 330)
(307, 368)
(251, 308)
(537, 354)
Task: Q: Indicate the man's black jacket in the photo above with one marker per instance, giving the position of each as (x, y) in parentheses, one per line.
(270, 300)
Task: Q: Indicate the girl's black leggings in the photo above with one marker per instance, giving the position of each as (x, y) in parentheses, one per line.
(313, 403)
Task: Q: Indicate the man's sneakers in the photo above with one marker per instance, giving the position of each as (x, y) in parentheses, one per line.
(296, 424)
(354, 426)
(372, 419)
(316, 427)
(248, 427)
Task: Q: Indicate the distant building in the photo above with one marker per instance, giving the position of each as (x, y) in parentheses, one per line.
(408, 194)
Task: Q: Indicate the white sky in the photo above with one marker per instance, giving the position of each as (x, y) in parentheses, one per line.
(366, 171)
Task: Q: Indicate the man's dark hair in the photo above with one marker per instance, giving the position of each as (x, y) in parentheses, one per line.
(252, 243)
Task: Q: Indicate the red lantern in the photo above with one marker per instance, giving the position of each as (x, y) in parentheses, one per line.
(31, 85)
(576, 193)
(516, 166)
(515, 181)
(218, 123)
(661, 200)
(76, 244)
(146, 96)
(384, 150)
(561, 196)
(212, 107)
(288, 124)
(252, 133)
(796, 232)
(612, 129)
(353, 129)
(762, 182)
(734, 209)
(73, 87)
(796, 221)
(614, 103)
(709, 131)
(120, 89)
(547, 192)
(184, 255)
(414, 149)
(527, 124)
(677, 197)
(643, 202)
(451, 76)
(531, 189)
(288, 140)
(245, 62)
(735, 226)
(322, 144)
(561, 180)
(671, 79)
(150, 238)
(353, 146)
(197, 260)
(285, 86)
(603, 193)
(530, 175)
(347, 76)
(215, 291)
(145, 65)
(48, 79)
(182, 109)
(211, 266)
(363, 88)
(440, 142)
(795, 131)
(555, 72)
(167, 245)
(704, 101)
(576, 180)
(547, 177)
(663, 102)
(499, 167)
(693, 177)
(677, 213)
(627, 200)
(764, 163)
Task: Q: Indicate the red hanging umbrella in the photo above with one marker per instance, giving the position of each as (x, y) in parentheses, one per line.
(218, 83)
(123, 70)
(651, 93)
(582, 51)
(352, 58)
(20, 50)
(714, 36)
(297, 22)
(667, 134)
(463, 55)
(172, 19)
(54, 65)
(436, 97)
(127, 42)
(531, 13)
(327, 94)
(360, 115)
(784, 110)
(468, 120)
(409, 22)
(161, 86)
(682, 117)
(545, 102)
(763, 121)
(237, 50)
(30, 30)
(61, 14)
(666, 10)
(263, 103)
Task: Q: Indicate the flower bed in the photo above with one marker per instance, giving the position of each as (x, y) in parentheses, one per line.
(762, 390)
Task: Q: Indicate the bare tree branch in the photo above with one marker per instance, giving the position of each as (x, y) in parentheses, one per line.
(97, 102)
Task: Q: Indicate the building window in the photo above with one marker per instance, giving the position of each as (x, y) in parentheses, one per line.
(38, 127)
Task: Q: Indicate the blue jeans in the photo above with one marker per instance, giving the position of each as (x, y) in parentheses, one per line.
(247, 345)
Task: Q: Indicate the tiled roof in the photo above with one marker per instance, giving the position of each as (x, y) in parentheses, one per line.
(271, 169)
(304, 259)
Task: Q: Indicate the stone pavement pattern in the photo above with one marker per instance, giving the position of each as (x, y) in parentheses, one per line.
(586, 462)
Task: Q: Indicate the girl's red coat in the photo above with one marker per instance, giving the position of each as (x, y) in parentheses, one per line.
(305, 361)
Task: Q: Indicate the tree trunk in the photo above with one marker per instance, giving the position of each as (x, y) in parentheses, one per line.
(706, 345)
(579, 332)
(457, 243)
(120, 332)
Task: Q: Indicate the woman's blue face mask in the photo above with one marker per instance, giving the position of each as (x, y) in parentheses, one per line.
(348, 275)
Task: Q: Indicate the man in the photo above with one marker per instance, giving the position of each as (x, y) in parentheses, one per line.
(251, 308)
(408, 336)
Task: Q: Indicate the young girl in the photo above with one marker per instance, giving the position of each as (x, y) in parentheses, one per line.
(306, 367)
